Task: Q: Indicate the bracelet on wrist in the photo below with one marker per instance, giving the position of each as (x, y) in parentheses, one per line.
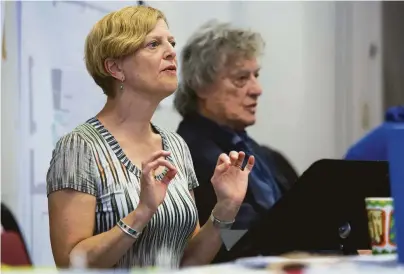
(219, 223)
(128, 230)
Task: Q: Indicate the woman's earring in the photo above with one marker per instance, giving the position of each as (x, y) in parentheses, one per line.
(121, 86)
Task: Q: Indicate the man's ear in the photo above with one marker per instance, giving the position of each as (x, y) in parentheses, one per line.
(114, 68)
(204, 92)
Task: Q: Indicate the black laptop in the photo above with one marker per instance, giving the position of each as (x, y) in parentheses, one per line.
(324, 210)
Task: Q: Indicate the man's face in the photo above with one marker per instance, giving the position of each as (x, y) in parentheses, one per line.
(232, 99)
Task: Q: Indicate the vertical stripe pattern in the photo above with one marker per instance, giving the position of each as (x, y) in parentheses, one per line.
(90, 160)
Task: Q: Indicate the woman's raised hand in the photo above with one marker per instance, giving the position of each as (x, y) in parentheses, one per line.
(230, 181)
(152, 190)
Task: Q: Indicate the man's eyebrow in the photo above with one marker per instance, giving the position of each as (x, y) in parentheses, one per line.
(245, 71)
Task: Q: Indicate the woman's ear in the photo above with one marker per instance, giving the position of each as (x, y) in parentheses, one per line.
(114, 68)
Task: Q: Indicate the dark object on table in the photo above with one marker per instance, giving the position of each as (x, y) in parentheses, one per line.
(329, 195)
(294, 268)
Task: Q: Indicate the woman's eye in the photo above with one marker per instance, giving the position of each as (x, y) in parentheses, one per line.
(173, 44)
(153, 44)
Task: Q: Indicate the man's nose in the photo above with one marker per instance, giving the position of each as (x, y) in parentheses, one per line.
(255, 89)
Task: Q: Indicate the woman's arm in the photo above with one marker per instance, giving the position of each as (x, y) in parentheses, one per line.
(206, 240)
(72, 223)
(72, 213)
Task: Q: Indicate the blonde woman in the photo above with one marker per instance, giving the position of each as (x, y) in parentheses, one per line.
(120, 189)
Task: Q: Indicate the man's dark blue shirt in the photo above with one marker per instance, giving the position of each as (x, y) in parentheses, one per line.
(270, 178)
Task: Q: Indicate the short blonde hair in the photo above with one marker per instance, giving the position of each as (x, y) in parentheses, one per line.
(118, 34)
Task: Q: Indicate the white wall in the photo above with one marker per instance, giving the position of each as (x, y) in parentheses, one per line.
(312, 78)
(367, 69)
(358, 74)
(297, 108)
(9, 114)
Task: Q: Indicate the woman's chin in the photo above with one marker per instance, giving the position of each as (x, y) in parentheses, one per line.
(169, 89)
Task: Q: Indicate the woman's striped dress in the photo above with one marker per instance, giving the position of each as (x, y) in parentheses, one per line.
(90, 160)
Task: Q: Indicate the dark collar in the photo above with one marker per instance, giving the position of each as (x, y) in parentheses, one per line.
(225, 137)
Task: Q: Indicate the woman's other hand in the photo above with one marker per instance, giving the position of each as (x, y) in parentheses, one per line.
(230, 181)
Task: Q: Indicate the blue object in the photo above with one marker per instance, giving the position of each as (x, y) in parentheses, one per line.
(395, 114)
(395, 152)
(373, 146)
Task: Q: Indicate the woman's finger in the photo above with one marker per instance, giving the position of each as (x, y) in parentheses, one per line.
(156, 164)
(223, 162)
(250, 164)
(155, 155)
(169, 176)
(240, 159)
(233, 157)
(222, 158)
